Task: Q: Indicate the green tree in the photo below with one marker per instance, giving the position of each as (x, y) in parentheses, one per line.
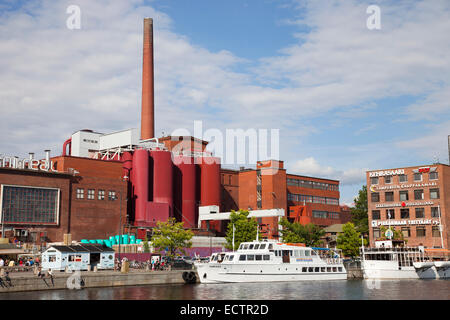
(397, 234)
(349, 241)
(173, 236)
(359, 213)
(245, 229)
(145, 245)
(294, 232)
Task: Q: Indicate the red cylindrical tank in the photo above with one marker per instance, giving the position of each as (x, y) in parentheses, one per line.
(210, 181)
(162, 177)
(127, 160)
(184, 188)
(140, 178)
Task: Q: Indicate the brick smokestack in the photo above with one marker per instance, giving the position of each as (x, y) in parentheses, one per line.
(148, 101)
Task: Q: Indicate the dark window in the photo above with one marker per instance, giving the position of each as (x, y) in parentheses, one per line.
(304, 269)
(375, 197)
(420, 231)
(390, 214)
(418, 194)
(258, 257)
(404, 213)
(434, 212)
(242, 257)
(376, 233)
(266, 257)
(417, 177)
(389, 196)
(374, 180)
(388, 179)
(250, 257)
(420, 212)
(433, 176)
(375, 214)
(403, 178)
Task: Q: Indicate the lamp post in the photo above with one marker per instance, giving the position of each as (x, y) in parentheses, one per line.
(3, 223)
(125, 179)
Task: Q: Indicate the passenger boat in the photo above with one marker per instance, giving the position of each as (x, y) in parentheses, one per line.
(270, 261)
(391, 259)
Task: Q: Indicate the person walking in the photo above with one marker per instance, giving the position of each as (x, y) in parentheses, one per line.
(8, 279)
(50, 275)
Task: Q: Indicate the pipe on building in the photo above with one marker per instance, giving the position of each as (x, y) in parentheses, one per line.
(67, 142)
(147, 108)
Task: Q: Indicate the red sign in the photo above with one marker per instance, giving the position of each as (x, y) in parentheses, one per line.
(424, 170)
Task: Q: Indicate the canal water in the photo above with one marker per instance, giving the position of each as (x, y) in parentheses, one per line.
(308, 290)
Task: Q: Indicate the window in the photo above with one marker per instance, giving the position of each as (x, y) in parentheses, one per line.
(266, 257)
(304, 269)
(242, 257)
(310, 269)
(435, 231)
(246, 246)
(389, 196)
(406, 232)
(307, 253)
(375, 214)
(316, 269)
(390, 214)
(420, 231)
(433, 176)
(230, 258)
(403, 178)
(374, 180)
(322, 269)
(111, 195)
(91, 194)
(417, 176)
(256, 246)
(250, 257)
(418, 194)
(250, 247)
(258, 257)
(51, 258)
(404, 213)
(101, 194)
(434, 193)
(376, 233)
(420, 212)
(375, 197)
(434, 212)
(388, 179)
(270, 246)
(404, 196)
(80, 193)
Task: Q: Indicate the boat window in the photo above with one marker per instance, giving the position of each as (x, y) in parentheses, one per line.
(334, 269)
(250, 246)
(241, 247)
(340, 269)
(266, 257)
(250, 257)
(230, 258)
(256, 246)
(301, 253)
(304, 269)
(328, 269)
(242, 257)
(258, 257)
(313, 253)
(322, 269)
(310, 269)
(226, 258)
(262, 246)
(245, 246)
(316, 269)
(307, 253)
(270, 246)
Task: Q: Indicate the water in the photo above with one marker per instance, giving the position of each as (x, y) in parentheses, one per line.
(308, 290)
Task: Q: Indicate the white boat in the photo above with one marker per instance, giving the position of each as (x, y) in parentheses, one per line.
(270, 261)
(391, 259)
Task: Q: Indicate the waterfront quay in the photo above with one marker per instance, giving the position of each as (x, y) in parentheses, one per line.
(28, 281)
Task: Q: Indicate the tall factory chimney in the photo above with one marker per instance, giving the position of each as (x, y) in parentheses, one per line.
(148, 101)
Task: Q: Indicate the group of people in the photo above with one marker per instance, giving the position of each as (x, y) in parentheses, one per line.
(44, 275)
(21, 262)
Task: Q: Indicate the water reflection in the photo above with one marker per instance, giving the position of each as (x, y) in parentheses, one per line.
(307, 290)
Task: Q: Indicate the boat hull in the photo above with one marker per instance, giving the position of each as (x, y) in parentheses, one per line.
(216, 273)
(390, 270)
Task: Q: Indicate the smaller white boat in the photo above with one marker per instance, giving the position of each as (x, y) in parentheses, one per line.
(442, 264)
(423, 265)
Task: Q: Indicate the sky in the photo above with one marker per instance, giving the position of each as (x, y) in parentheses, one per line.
(345, 98)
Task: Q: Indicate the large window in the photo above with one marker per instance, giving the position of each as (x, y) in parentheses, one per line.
(312, 199)
(388, 179)
(389, 196)
(101, 194)
(418, 194)
(312, 184)
(406, 232)
(374, 180)
(404, 196)
(404, 213)
(375, 197)
(27, 205)
(420, 213)
(433, 176)
(417, 176)
(434, 212)
(375, 214)
(80, 193)
(435, 231)
(420, 232)
(111, 195)
(403, 178)
(91, 194)
(390, 213)
(376, 233)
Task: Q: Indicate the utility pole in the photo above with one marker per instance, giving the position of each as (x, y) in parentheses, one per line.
(3, 224)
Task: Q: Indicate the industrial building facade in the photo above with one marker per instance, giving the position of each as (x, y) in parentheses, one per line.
(412, 200)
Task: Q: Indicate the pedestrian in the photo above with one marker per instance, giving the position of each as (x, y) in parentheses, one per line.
(2, 284)
(2, 262)
(50, 275)
(8, 279)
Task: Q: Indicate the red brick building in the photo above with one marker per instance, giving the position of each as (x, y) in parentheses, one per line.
(413, 200)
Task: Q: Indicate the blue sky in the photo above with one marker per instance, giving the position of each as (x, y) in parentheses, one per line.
(346, 99)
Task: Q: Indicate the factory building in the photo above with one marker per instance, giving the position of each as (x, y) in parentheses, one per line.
(412, 200)
(110, 183)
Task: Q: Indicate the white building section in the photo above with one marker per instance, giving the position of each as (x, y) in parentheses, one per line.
(207, 213)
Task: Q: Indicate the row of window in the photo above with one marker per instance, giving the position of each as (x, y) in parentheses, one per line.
(405, 213)
(312, 199)
(419, 194)
(421, 231)
(100, 194)
(404, 178)
(312, 184)
(325, 214)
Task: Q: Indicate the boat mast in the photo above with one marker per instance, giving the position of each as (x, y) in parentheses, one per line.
(440, 226)
(233, 237)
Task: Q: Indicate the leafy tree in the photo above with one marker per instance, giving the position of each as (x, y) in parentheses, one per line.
(359, 213)
(294, 232)
(145, 245)
(245, 229)
(173, 236)
(349, 240)
(397, 234)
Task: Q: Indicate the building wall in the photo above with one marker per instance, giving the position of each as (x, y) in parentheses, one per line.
(30, 178)
(427, 203)
(229, 190)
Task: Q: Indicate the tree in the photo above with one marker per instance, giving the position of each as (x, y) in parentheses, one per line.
(145, 245)
(349, 240)
(294, 232)
(359, 213)
(244, 229)
(173, 236)
(397, 234)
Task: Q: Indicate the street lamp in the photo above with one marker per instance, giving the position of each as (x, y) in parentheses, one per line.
(124, 178)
